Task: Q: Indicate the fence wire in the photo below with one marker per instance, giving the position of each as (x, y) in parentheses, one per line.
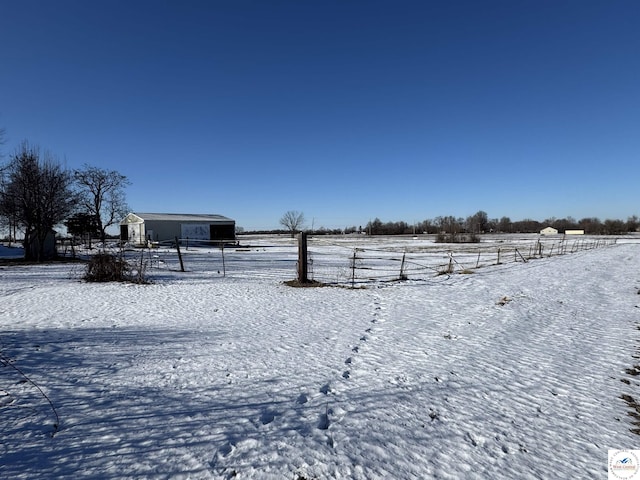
(350, 260)
(375, 263)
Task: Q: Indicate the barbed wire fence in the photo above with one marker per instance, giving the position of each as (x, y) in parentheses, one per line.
(348, 262)
(216, 259)
(415, 262)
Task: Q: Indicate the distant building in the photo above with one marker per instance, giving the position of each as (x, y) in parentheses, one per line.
(574, 232)
(549, 231)
(142, 228)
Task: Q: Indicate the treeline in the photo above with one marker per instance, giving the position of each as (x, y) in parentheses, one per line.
(481, 223)
(451, 228)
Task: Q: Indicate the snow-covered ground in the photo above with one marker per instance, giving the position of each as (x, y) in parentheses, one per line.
(512, 371)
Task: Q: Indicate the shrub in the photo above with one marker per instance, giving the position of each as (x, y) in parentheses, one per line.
(472, 238)
(105, 267)
(457, 238)
(445, 238)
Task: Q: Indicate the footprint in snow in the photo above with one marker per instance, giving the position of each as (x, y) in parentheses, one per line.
(326, 389)
(377, 317)
(267, 417)
(323, 422)
(226, 449)
(5, 398)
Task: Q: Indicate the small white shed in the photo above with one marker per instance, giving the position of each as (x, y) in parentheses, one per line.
(549, 231)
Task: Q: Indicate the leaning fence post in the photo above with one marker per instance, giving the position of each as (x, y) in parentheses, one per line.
(179, 255)
(402, 274)
(523, 259)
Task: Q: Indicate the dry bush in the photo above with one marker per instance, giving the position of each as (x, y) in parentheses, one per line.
(105, 267)
(457, 238)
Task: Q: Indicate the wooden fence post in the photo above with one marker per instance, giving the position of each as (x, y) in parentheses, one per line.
(179, 255)
(403, 276)
(302, 258)
(518, 253)
(353, 268)
(224, 268)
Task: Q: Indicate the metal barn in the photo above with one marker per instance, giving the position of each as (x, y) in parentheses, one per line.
(142, 228)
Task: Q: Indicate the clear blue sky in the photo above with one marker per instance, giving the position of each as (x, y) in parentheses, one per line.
(345, 110)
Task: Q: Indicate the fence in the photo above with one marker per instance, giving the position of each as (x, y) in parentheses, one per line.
(353, 260)
(415, 261)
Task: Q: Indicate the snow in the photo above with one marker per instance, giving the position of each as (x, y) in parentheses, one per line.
(514, 371)
(12, 251)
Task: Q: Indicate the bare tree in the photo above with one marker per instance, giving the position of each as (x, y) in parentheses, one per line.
(37, 195)
(8, 206)
(477, 223)
(449, 229)
(591, 225)
(292, 221)
(614, 227)
(504, 224)
(102, 195)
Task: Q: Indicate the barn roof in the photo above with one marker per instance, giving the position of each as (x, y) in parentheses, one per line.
(184, 217)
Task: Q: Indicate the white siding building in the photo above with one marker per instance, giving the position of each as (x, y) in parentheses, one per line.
(549, 231)
(141, 228)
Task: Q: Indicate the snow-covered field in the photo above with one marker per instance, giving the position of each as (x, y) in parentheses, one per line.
(513, 371)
